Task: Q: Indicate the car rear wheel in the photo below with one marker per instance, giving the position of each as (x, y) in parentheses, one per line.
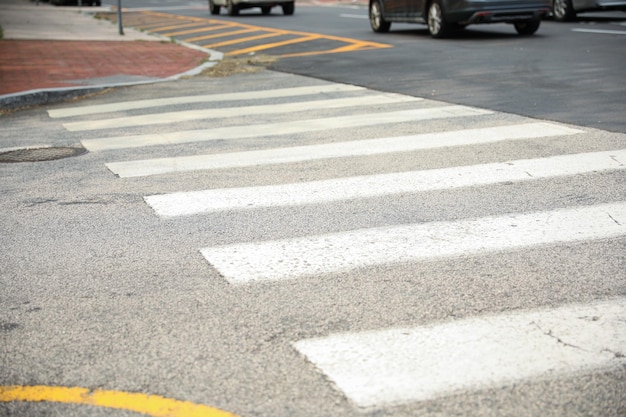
(288, 8)
(528, 27)
(438, 26)
(563, 10)
(377, 22)
(232, 8)
(213, 8)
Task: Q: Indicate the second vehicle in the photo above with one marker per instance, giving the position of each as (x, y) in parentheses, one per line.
(566, 10)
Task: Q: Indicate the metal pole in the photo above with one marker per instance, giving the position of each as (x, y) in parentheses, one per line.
(119, 17)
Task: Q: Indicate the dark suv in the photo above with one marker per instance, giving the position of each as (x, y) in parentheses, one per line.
(443, 17)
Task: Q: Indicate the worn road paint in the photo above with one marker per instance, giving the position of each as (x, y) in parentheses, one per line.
(402, 365)
(367, 186)
(204, 114)
(204, 98)
(241, 263)
(151, 405)
(284, 128)
(348, 149)
(603, 32)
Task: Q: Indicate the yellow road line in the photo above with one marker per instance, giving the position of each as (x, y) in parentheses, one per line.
(348, 48)
(190, 31)
(179, 26)
(241, 40)
(187, 18)
(259, 28)
(151, 405)
(220, 35)
(351, 44)
(272, 45)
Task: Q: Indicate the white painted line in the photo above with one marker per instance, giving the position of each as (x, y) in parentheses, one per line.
(601, 31)
(244, 95)
(338, 150)
(354, 16)
(344, 251)
(275, 129)
(189, 115)
(317, 192)
(402, 365)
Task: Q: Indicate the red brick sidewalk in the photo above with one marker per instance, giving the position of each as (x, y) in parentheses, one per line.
(28, 65)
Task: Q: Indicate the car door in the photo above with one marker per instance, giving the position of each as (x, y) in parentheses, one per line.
(415, 9)
(396, 9)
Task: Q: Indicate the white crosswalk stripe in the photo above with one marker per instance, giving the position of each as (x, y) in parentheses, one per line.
(194, 202)
(207, 98)
(275, 129)
(338, 150)
(396, 366)
(183, 116)
(384, 366)
(338, 252)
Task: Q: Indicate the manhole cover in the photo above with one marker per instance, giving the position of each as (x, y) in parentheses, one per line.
(39, 154)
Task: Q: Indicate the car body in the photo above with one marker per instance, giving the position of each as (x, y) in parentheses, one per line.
(76, 2)
(233, 6)
(566, 10)
(445, 16)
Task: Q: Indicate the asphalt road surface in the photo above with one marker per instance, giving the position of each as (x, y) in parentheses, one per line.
(272, 244)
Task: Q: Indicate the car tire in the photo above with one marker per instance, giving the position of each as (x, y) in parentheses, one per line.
(563, 10)
(438, 25)
(232, 8)
(288, 8)
(214, 9)
(265, 10)
(377, 21)
(528, 27)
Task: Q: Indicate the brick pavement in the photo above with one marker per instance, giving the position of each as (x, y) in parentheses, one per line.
(35, 64)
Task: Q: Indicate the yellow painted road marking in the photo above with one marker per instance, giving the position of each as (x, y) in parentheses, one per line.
(241, 28)
(359, 46)
(179, 26)
(151, 405)
(220, 35)
(242, 40)
(272, 45)
(190, 31)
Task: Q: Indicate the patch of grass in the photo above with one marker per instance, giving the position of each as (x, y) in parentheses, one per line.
(231, 66)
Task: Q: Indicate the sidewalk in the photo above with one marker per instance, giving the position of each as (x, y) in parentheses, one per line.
(51, 53)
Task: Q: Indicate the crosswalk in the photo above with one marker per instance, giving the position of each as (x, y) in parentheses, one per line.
(331, 123)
